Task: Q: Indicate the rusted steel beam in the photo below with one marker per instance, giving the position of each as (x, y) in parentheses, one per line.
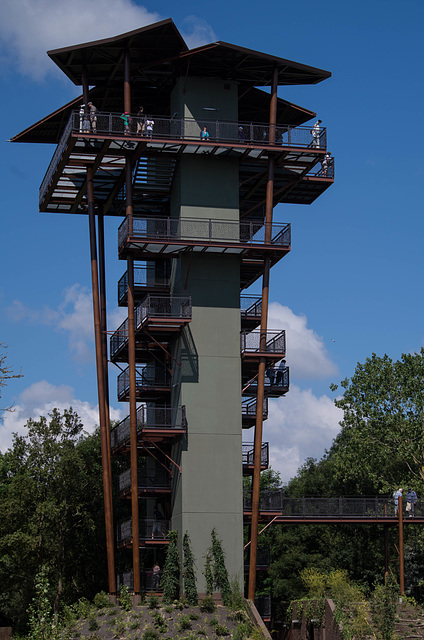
(262, 364)
(104, 426)
(401, 562)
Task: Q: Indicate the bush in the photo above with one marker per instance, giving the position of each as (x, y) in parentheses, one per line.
(125, 599)
(153, 602)
(92, 623)
(221, 630)
(101, 600)
(383, 606)
(150, 634)
(184, 622)
(207, 605)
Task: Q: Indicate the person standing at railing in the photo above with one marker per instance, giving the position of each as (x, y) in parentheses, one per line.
(241, 135)
(204, 134)
(127, 121)
(93, 117)
(411, 501)
(316, 133)
(155, 577)
(141, 122)
(150, 123)
(397, 494)
(325, 163)
(280, 372)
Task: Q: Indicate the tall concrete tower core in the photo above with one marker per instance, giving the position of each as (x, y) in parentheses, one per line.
(191, 156)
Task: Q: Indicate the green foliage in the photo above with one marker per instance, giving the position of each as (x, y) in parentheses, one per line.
(150, 634)
(243, 630)
(207, 605)
(208, 574)
(125, 599)
(153, 602)
(383, 411)
(51, 512)
(93, 625)
(159, 622)
(184, 622)
(222, 630)
(120, 626)
(220, 574)
(188, 574)
(171, 572)
(101, 600)
(43, 623)
(383, 606)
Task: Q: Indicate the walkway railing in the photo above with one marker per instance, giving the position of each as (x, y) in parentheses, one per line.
(250, 342)
(204, 230)
(249, 453)
(150, 275)
(251, 306)
(148, 376)
(149, 529)
(151, 306)
(175, 128)
(149, 418)
(248, 408)
(148, 582)
(156, 478)
(347, 507)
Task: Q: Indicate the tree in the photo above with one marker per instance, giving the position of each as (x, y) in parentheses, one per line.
(5, 374)
(51, 514)
(171, 571)
(381, 444)
(189, 577)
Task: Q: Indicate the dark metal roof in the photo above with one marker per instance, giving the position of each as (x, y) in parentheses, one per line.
(159, 53)
(104, 59)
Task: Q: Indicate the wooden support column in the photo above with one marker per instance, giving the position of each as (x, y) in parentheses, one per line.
(386, 551)
(127, 82)
(132, 396)
(104, 426)
(401, 563)
(262, 363)
(103, 329)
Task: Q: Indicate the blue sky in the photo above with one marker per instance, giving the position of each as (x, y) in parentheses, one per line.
(352, 283)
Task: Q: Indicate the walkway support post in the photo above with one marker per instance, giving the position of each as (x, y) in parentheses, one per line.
(104, 426)
(401, 563)
(262, 364)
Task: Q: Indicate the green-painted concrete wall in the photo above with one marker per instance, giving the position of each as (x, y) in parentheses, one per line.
(208, 493)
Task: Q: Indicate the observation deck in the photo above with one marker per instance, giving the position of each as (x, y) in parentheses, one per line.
(248, 412)
(146, 535)
(150, 482)
(160, 316)
(276, 384)
(154, 424)
(148, 278)
(299, 177)
(248, 457)
(151, 383)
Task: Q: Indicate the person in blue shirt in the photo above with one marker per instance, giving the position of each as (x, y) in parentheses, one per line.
(204, 134)
(411, 501)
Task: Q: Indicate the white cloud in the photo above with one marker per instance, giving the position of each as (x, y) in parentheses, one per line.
(28, 28)
(41, 398)
(300, 425)
(74, 316)
(196, 31)
(306, 352)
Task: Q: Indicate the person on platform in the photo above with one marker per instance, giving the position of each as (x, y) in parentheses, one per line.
(316, 134)
(156, 577)
(204, 135)
(127, 121)
(411, 501)
(93, 116)
(397, 494)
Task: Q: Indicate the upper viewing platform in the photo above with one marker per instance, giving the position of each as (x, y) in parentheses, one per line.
(105, 142)
(182, 90)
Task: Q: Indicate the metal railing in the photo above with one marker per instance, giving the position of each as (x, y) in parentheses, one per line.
(249, 453)
(205, 230)
(149, 418)
(149, 528)
(151, 306)
(144, 276)
(333, 507)
(263, 557)
(55, 160)
(148, 581)
(149, 376)
(248, 408)
(153, 478)
(275, 378)
(251, 306)
(225, 131)
(250, 342)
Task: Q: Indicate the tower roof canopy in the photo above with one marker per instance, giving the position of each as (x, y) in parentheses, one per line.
(104, 59)
(158, 52)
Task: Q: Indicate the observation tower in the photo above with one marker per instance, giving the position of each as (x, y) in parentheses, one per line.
(192, 178)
